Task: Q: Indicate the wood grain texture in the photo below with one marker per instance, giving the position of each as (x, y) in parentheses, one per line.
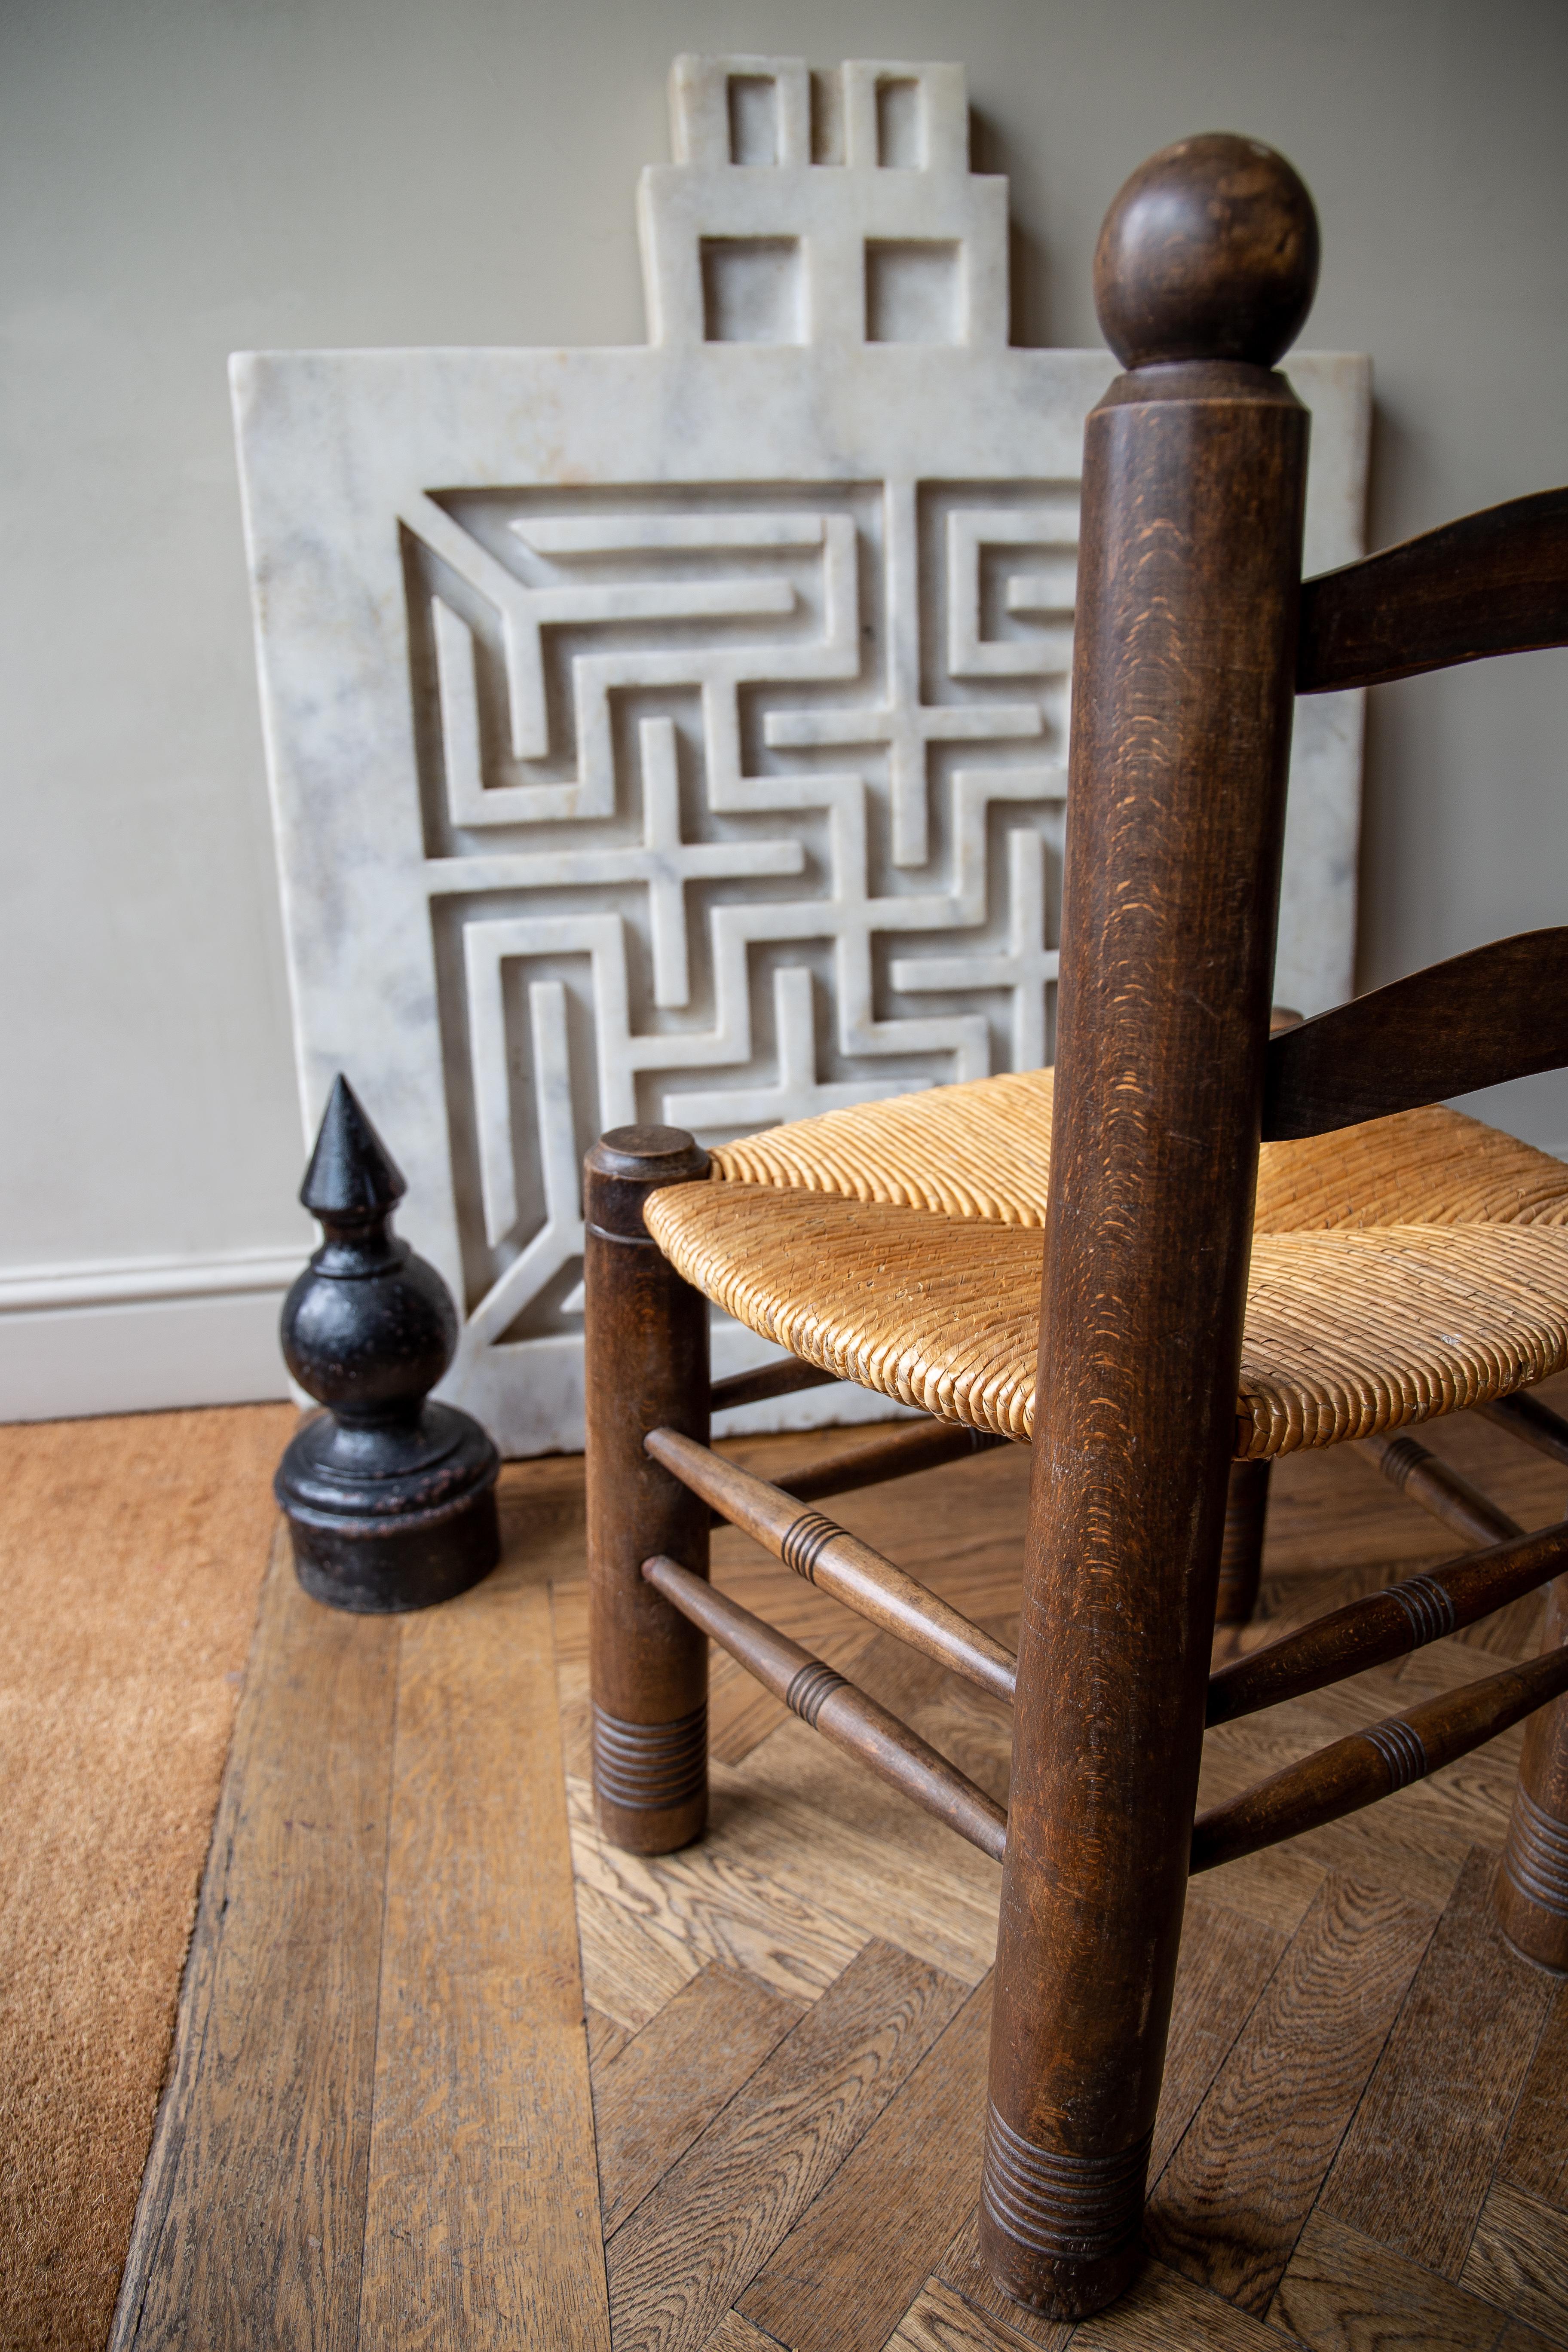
(482, 2218)
(1377, 1760)
(1187, 583)
(963, 2271)
(1229, 2206)
(1518, 2260)
(940, 2321)
(631, 1967)
(1495, 1013)
(1535, 2154)
(1226, 1961)
(840, 2279)
(711, 1903)
(1344, 2293)
(690, 2249)
(1414, 2165)
(1162, 2308)
(666, 2085)
(1492, 582)
(251, 2221)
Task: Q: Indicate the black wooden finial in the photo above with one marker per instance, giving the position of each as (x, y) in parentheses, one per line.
(391, 1498)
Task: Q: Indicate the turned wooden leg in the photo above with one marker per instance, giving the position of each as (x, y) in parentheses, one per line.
(1532, 1884)
(647, 1367)
(1241, 1553)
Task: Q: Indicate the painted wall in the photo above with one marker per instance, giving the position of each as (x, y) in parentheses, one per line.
(184, 178)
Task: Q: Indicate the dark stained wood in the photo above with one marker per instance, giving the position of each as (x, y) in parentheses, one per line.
(832, 1705)
(1370, 1764)
(768, 1381)
(900, 1454)
(391, 1498)
(1228, 2208)
(827, 1555)
(1499, 1011)
(1209, 252)
(1414, 2168)
(1535, 2156)
(1440, 1488)
(646, 1366)
(1519, 2259)
(1525, 1416)
(481, 2219)
(1344, 2293)
(842, 2277)
(1492, 582)
(1532, 1884)
(1387, 1624)
(251, 2223)
(1241, 1551)
(664, 2086)
(689, 2252)
(1188, 577)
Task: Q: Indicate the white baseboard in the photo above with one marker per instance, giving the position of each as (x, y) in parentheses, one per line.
(141, 1335)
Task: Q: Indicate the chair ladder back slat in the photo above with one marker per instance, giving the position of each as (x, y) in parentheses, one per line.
(1499, 1011)
(1493, 582)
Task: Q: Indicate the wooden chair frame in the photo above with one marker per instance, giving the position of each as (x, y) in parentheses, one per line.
(1193, 633)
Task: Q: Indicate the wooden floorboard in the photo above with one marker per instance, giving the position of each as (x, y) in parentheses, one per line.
(250, 2227)
(414, 1957)
(482, 2218)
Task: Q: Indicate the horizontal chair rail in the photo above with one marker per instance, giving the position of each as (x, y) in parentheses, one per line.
(768, 1381)
(922, 1446)
(1372, 1764)
(1532, 1422)
(847, 1717)
(1493, 582)
(1444, 1492)
(838, 1563)
(1498, 1012)
(1388, 1624)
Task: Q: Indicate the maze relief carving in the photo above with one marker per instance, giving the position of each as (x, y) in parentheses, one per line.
(740, 804)
(679, 733)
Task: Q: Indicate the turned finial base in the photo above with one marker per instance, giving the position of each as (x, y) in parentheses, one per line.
(384, 1520)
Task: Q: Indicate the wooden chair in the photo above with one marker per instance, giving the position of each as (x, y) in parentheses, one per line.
(1403, 1261)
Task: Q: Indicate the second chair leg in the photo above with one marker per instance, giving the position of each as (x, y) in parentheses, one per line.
(1241, 1555)
(646, 1367)
(1533, 1884)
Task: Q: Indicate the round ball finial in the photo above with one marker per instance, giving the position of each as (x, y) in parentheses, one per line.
(1210, 252)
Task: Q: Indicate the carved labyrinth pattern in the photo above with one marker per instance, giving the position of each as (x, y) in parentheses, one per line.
(740, 802)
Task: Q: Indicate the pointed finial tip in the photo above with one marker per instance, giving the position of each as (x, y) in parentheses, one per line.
(351, 1168)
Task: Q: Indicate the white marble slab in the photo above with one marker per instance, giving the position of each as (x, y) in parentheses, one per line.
(677, 732)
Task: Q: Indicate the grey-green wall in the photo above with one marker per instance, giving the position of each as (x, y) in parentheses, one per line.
(182, 177)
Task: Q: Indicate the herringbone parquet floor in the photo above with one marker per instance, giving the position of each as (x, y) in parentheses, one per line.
(379, 2127)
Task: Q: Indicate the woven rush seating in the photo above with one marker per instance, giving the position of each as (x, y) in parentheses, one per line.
(1410, 1266)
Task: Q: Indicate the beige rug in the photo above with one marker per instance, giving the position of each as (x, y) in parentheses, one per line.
(131, 1552)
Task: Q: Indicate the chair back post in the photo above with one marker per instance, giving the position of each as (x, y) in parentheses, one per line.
(1185, 642)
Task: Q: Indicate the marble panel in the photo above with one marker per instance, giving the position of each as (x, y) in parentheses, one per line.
(677, 732)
